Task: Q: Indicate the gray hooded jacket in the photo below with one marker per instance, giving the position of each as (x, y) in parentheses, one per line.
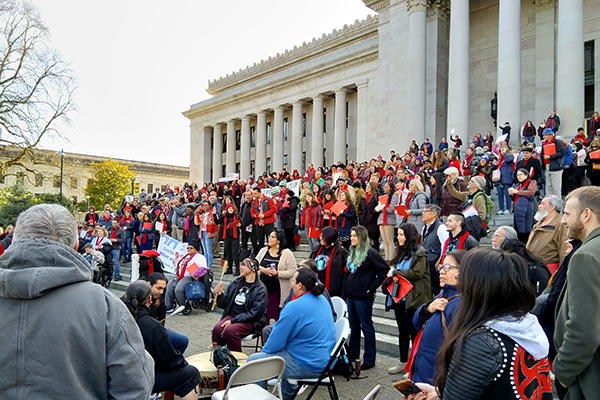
(64, 337)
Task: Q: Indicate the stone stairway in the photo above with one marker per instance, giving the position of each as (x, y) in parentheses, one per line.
(386, 331)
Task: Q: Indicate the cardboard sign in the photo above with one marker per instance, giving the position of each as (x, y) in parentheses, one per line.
(404, 287)
(339, 207)
(147, 225)
(167, 247)
(385, 200)
(401, 210)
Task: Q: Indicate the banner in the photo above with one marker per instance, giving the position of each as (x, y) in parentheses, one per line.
(167, 247)
(295, 186)
(266, 192)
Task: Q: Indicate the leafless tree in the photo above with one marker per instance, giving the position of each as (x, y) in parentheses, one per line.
(36, 85)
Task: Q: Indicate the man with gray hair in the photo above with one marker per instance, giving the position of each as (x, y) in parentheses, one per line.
(502, 234)
(547, 239)
(63, 337)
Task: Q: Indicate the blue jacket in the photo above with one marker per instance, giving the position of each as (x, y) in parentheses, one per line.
(568, 155)
(506, 170)
(433, 335)
(305, 329)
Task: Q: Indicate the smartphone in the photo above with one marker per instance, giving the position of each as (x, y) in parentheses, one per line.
(407, 387)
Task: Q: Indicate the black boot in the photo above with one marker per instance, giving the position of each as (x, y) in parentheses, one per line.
(229, 271)
(237, 272)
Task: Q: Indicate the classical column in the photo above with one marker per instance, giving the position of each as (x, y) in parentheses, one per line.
(545, 41)
(509, 67)
(217, 152)
(570, 68)
(261, 143)
(458, 70)
(230, 166)
(296, 153)
(361, 120)
(245, 148)
(317, 132)
(339, 132)
(417, 71)
(277, 138)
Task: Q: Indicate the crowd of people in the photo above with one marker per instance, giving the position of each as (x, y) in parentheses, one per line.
(469, 320)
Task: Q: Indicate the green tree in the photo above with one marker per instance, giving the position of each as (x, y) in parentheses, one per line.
(53, 198)
(110, 183)
(13, 201)
(36, 85)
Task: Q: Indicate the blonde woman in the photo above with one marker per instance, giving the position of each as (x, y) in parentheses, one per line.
(387, 220)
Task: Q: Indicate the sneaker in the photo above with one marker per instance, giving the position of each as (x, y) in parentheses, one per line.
(117, 279)
(501, 212)
(169, 311)
(396, 369)
(506, 212)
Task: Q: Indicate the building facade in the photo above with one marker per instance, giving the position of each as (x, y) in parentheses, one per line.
(416, 69)
(45, 175)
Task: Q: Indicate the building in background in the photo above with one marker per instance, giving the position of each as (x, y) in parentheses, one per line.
(417, 69)
(77, 171)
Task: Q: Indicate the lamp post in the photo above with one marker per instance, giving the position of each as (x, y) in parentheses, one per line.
(62, 158)
(132, 181)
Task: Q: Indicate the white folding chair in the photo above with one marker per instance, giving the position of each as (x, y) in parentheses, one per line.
(342, 332)
(340, 307)
(254, 336)
(247, 374)
(373, 393)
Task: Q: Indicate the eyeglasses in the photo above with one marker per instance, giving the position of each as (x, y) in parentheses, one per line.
(191, 247)
(446, 268)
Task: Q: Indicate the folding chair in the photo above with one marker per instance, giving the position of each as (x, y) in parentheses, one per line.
(342, 331)
(373, 393)
(247, 374)
(340, 307)
(249, 338)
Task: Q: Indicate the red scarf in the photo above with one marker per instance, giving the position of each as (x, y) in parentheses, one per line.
(106, 219)
(123, 220)
(98, 241)
(181, 272)
(521, 186)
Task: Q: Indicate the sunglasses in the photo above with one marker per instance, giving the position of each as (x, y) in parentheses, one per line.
(191, 247)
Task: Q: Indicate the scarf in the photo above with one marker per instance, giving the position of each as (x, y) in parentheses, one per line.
(327, 269)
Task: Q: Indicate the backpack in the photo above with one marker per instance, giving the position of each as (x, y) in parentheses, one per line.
(489, 206)
(220, 356)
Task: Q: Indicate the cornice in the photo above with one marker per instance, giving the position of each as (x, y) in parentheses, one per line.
(290, 55)
(376, 5)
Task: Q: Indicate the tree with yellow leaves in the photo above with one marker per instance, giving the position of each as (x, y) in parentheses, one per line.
(110, 183)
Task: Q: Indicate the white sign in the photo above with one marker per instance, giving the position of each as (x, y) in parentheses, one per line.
(167, 247)
(266, 192)
(295, 186)
(129, 198)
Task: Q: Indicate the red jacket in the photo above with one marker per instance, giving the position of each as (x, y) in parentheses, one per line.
(315, 217)
(265, 206)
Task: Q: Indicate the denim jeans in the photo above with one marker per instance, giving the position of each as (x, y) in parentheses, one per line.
(530, 139)
(207, 248)
(126, 248)
(292, 370)
(360, 315)
(178, 341)
(503, 194)
(115, 255)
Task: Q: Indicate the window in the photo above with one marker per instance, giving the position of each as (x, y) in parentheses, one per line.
(39, 180)
(212, 142)
(324, 157)
(285, 129)
(223, 170)
(252, 168)
(224, 139)
(55, 181)
(304, 125)
(268, 133)
(589, 68)
(346, 115)
(285, 161)
(74, 182)
(253, 136)
(237, 168)
(324, 122)
(20, 178)
(268, 166)
(303, 161)
(150, 188)
(238, 140)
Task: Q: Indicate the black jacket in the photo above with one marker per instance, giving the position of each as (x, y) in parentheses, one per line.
(287, 215)
(255, 305)
(337, 265)
(364, 282)
(366, 213)
(157, 343)
(245, 215)
(158, 310)
(487, 359)
(531, 163)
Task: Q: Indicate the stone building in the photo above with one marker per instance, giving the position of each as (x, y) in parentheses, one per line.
(77, 171)
(416, 69)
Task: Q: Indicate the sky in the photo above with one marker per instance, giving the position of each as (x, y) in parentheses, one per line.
(140, 64)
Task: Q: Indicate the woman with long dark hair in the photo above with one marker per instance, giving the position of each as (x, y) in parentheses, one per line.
(495, 344)
(171, 370)
(365, 270)
(524, 204)
(537, 271)
(329, 217)
(330, 258)
(367, 216)
(411, 264)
